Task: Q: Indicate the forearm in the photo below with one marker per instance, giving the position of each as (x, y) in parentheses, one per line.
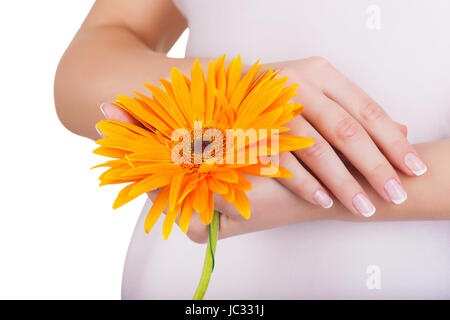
(428, 199)
(101, 62)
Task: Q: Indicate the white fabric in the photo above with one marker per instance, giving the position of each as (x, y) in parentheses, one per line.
(399, 52)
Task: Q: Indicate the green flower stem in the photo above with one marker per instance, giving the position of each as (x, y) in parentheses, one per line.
(208, 265)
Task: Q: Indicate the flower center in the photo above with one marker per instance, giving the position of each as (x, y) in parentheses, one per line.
(198, 146)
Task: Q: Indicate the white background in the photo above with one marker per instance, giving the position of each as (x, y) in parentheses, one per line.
(59, 237)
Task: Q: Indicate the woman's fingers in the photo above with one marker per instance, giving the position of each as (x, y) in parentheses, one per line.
(268, 212)
(302, 182)
(346, 134)
(329, 168)
(383, 131)
(112, 112)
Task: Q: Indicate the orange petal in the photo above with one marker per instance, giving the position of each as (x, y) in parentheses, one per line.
(169, 104)
(266, 120)
(241, 88)
(265, 76)
(256, 170)
(234, 73)
(290, 111)
(255, 106)
(152, 168)
(210, 93)
(189, 184)
(136, 129)
(217, 186)
(230, 195)
(123, 197)
(284, 173)
(207, 214)
(113, 127)
(182, 95)
(143, 114)
(123, 144)
(159, 110)
(219, 68)
(227, 175)
(291, 143)
(286, 94)
(157, 208)
(111, 152)
(150, 183)
(168, 87)
(175, 187)
(243, 184)
(169, 221)
(198, 91)
(186, 214)
(241, 203)
(200, 195)
(111, 163)
(113, 173)
(150, 156)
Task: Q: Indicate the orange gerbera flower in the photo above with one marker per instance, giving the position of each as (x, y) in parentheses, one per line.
(144, 156)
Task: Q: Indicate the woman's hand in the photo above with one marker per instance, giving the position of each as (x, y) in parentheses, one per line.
(428, 200)
(281, 208)
(338, 114)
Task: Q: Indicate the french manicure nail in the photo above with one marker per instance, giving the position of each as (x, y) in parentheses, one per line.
(103, 110)
(363, 205)
(99, 132)
(323, 199)
(395, 191)
(416, 165)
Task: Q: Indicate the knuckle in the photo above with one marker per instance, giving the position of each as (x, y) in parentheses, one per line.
(378, 170)
(284, 157)
(316, 151)
(290, 72)
(319, 62)
(347, 128)
(372, 111)
(197, 232)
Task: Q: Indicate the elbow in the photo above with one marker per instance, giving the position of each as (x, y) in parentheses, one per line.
(60, 97)
(67, 99)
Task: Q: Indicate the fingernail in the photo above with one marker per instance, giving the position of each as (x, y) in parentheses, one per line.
(395, 191)
(99, 132)
(363, 205)
(103, 110)
(323, 199)
(416, 165)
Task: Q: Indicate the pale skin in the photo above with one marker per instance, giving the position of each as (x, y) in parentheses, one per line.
(119, 47)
